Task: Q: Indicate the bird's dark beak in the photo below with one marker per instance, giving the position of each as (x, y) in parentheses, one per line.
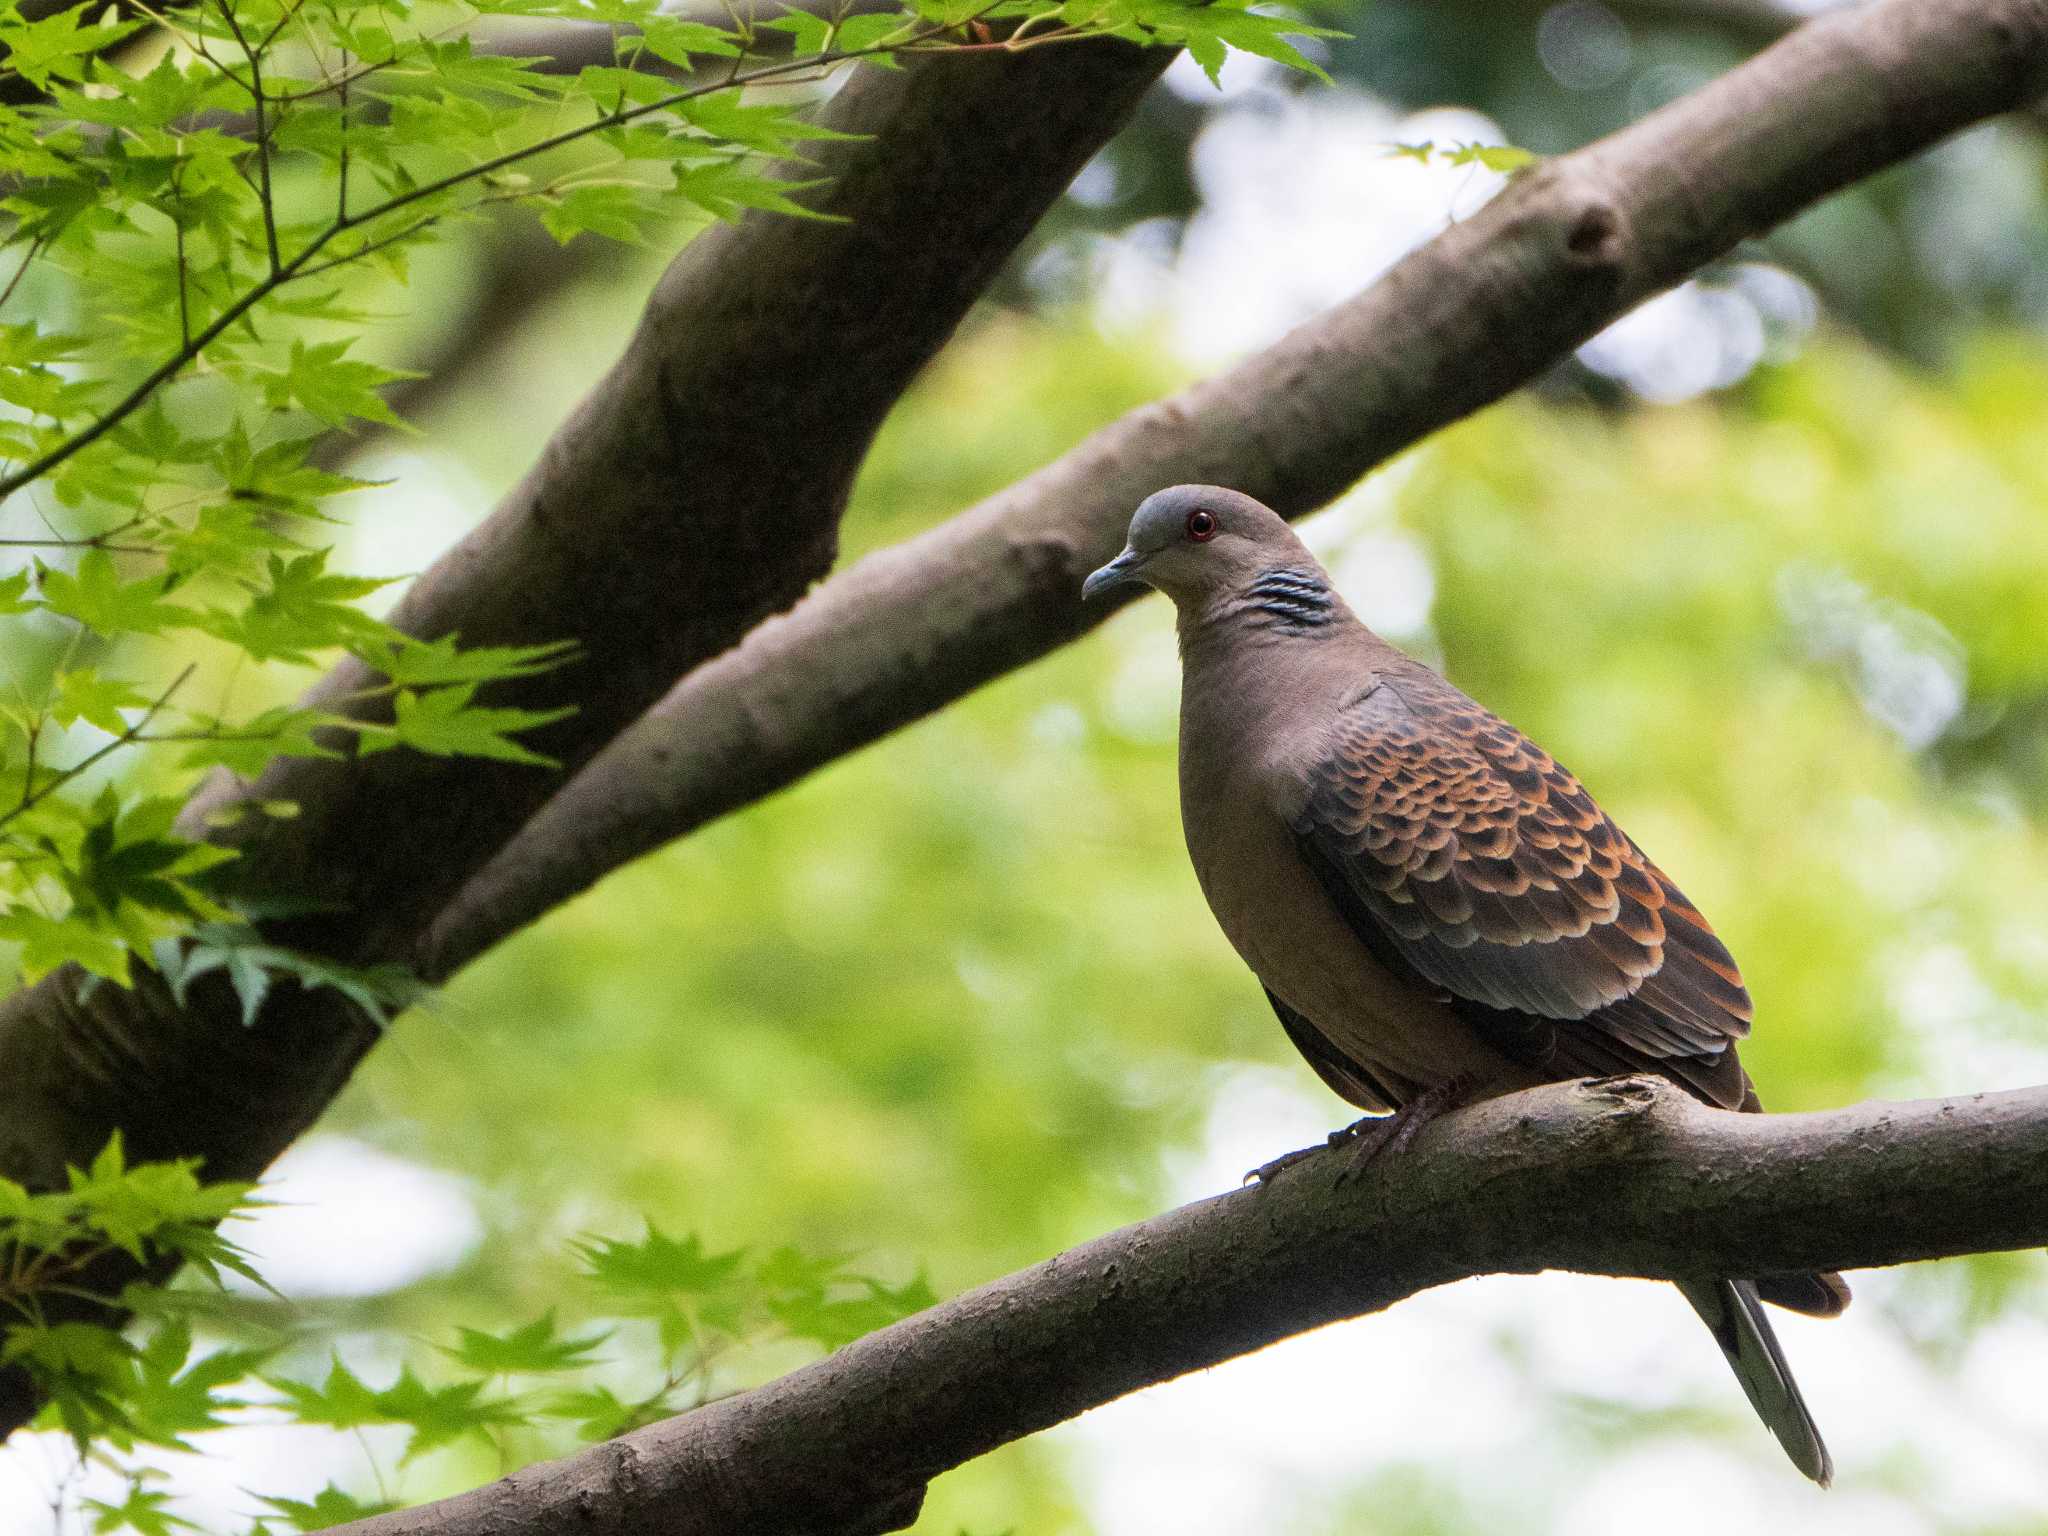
(1122, 571)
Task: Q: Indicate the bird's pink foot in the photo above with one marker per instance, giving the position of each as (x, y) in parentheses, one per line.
(1373, 1136)
(1263, 1174)
(1389, 1135)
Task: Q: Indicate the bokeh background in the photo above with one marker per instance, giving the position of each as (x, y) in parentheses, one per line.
(1767, 565)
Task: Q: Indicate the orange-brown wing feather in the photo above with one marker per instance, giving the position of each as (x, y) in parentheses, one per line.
(1464, 854)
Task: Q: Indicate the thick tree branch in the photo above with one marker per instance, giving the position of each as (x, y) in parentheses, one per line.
(1464, 320)
(1630, 1176)
(695, 491)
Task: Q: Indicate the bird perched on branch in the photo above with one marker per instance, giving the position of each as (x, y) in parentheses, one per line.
(1437, 909)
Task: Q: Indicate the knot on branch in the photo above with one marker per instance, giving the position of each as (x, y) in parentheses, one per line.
(1638, 1093)
(1620, 1110)
(1045, 558)
(1594, 236)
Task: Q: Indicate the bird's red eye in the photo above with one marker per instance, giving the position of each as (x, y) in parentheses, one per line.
(1201, 526)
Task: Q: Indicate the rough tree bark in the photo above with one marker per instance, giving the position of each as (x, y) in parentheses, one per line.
(695, 491)
(1629, 1176)
(1462, 321)
(699, 488)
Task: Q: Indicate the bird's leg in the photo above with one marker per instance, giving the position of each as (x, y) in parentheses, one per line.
(1263, 1174)
(1383, 1135)
(1371, 1136)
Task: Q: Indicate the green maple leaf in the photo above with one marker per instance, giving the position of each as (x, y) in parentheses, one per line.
(617, 210)
(49, 943)
(675, 39)
(321, 380)
(601, 1414)
(57, 45)
(129, 876)
(14, 596)
(834, 1321)
(249, 961)
(96, 597)
(137, 1208)
(84, 1350)
(657, 1265)
(327, 1508)
(420, 663)
(533, 1349)
(443, 723)
(342, 1402)
(175, 1395)
(247, 748)
(142, 1511)
(82, 694)
(298, 610)
(726, 188)
(442, 1415)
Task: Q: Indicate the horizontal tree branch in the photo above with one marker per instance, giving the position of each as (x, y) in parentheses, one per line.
(1470, 316)
(1628, 1176)
(697, 489)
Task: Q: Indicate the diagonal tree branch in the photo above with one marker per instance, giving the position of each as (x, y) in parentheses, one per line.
(1628, 1176)
(1459, 323)
(695, 491)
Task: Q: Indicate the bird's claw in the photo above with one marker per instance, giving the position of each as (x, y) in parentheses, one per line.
(1372, 1137)
(1390, 1135)
(1263, 1174)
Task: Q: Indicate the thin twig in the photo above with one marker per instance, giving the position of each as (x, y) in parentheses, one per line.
(370, 248)
(297, 266)
(341, 196)
(269, 202)
(160, 738)
(196, 41)
(35, 248)
(151, 382)
(31, 798)
(184, 271)
(285, 17)
(633, 114)
(331, 83)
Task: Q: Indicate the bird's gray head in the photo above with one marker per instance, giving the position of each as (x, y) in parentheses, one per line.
(1196, 543)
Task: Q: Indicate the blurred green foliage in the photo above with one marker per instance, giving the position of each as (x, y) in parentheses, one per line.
(199, 201)
(955, 1004)
(947, 1003)
(1914, 259)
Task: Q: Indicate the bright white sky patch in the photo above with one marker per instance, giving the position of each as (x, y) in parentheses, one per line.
(1305, 203)
(350, 1220)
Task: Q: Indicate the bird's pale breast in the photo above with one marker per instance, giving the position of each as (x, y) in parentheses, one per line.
(1285, 927)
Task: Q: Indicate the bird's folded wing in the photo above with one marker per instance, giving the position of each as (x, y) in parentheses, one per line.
(1461, 853)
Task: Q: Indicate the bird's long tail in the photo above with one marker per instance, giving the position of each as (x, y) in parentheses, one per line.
(1733, 1313)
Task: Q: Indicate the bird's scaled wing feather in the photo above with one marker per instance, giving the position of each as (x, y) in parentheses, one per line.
(1463, 854)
